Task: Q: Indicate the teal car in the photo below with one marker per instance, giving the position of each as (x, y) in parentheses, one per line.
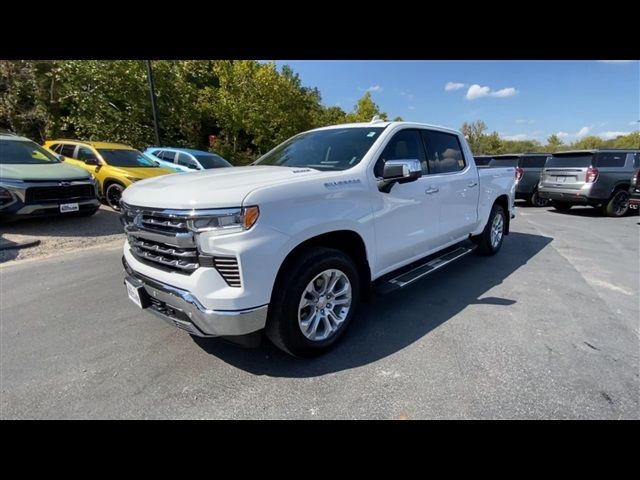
(36, 182)
(186, 159)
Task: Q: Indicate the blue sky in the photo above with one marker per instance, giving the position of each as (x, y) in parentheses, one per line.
(518, 99)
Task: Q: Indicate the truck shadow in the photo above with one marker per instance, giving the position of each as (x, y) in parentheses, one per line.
(392, 322)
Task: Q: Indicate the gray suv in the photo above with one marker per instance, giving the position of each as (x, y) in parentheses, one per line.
(529, 167)
(600, 178)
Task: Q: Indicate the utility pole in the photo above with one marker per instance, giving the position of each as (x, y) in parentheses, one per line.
(154, 105)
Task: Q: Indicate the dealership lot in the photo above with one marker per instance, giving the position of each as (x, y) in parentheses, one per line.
(548, 328)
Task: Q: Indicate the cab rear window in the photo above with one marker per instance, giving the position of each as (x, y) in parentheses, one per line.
(575, 161)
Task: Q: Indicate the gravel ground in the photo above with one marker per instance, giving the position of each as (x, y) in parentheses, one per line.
(60, 234)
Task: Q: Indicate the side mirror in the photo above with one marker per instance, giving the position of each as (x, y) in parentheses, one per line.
(399, 171)
(193, 167)
(92, 161)
(59, 157)
(402, 171)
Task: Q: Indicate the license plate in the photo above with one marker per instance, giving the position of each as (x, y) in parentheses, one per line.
(561, 179)
(134, 293)
(69, 207)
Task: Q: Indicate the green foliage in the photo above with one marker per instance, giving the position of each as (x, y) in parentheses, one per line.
(554, 142)
(365, 110)
(474, 133)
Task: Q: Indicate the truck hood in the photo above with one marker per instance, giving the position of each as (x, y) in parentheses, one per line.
(46, 171)
(216, 188)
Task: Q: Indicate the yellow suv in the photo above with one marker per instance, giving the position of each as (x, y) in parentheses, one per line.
(116, 166)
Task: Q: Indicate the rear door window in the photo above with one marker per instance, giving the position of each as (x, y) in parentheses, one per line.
(186, 161)
(610, 159)
(67, 150)
(444, 153)
(168, 156)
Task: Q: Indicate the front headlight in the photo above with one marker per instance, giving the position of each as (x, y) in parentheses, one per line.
(225, 221)
(133, 179)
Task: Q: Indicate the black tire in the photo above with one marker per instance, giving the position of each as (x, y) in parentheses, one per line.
(536, 201)
(484, 241)
(618, 204)
(562, 206)
(283, 327)
(113, 194)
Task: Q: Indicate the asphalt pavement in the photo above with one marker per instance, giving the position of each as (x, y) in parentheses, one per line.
(548, 328)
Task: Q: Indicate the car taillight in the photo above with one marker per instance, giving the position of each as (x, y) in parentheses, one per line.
(634, 180)
(592, 175)
(519, 174)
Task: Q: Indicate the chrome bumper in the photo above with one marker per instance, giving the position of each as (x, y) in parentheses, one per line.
(181, 309)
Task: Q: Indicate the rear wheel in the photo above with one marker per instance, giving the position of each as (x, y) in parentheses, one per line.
(490, 240)
(536, 201)
(314, 302)
(618, 205)
(113, 194)
(562, 206)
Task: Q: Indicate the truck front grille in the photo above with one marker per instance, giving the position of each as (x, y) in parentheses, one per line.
(48, 194)
(163, 240)
(172, 258)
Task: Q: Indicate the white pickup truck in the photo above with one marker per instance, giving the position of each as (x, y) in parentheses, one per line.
(292, 243)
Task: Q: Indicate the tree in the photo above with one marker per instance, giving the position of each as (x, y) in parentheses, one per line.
(365, 110)
(553, 142)
(474, 132)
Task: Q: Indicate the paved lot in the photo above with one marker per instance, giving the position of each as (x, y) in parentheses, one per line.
(548, 328)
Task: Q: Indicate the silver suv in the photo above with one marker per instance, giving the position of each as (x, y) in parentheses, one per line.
(600, 178)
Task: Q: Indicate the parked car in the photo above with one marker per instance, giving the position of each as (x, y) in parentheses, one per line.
(291, 243)
(482, 160)
(634, 191)
(35, 182)
(186, 159)
(600, 178)
(116, 166)
(529, 167)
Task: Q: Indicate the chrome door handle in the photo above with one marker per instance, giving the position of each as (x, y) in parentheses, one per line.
(431, 190)
(472, 184)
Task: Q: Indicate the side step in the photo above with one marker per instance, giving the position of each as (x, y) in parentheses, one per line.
(422, 268)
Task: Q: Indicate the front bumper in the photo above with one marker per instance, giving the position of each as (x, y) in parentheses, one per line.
(20, 210)
(181, 309)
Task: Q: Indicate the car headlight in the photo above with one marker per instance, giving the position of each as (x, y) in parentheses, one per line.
(224, 221)
(133, 179)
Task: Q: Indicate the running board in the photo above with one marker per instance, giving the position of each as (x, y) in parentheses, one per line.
(427, 266)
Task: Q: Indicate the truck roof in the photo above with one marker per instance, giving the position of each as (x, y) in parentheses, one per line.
(383, 124)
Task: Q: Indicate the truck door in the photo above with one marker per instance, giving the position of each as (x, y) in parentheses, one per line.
(406, 218)
(452, 180)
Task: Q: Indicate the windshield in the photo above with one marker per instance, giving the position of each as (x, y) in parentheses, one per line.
(25, 153)
(578, 161)
(212, 161)
(126, 158)
(333, 149)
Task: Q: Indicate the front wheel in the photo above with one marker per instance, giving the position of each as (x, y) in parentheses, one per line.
(618, 206)
(113, 194)
(490, 240)
(313, 302)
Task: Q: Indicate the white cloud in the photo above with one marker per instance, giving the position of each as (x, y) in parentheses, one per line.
(374, 89)
(477, 91)
(411, 107)
(450, 86)
(505, 92)
(616, 61)
(583, 131)
(522, 120)
(634, 123)
(563, 134)
(611, 135)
